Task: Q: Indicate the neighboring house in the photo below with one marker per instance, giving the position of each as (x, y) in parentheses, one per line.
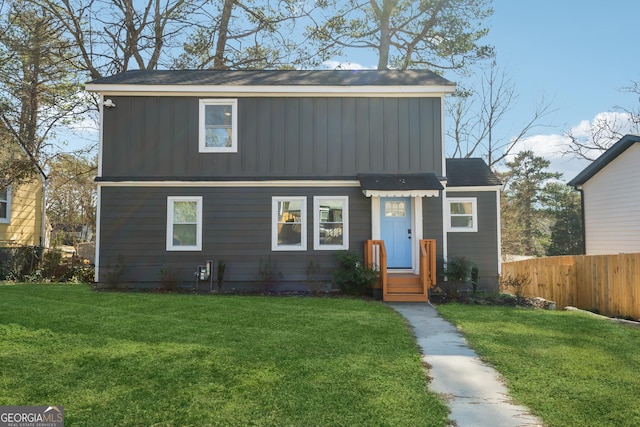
(21, 215)
(274, 171)
(610, 188)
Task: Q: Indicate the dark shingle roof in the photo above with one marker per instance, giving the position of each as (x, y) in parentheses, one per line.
(277, 78)
(470, 173)
(607, 157)
(389, 182)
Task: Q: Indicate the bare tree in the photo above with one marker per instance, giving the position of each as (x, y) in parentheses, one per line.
(438, 34)
(605, 129)
(38, 92)
(475, 115)
(248, 34)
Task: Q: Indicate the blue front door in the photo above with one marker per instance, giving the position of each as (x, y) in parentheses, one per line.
(395, 230)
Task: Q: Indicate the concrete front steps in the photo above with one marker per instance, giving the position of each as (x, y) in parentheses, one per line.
(404, 287)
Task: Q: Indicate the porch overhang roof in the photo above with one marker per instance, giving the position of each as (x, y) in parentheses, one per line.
(400, 185)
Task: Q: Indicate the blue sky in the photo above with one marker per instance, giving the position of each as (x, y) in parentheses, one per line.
(576, 54)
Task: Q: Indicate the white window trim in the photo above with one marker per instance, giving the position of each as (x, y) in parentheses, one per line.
(474, 214)
(234, 126)
(274, 224)
(316, 223)
(170, 201)
(7, 220)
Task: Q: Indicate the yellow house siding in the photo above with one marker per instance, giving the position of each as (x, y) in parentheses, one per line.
(25, 224)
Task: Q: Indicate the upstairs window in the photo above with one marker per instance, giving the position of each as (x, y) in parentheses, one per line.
(5, 205)
(331, 228)
(184, 223)
(463, 214)
(289, 224)
(218, 126)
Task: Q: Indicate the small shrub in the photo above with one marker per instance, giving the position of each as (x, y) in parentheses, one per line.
(352, 276)
(268, 275)
(169, 279)
(222, 266)
(16, 263)
(114, 273)
(83, 274)
(517, 284)
(458, 269)
(475, 274)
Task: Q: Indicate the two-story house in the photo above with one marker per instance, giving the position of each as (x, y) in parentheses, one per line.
(282, 169)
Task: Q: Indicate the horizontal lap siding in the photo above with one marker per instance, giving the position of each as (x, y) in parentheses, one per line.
(24, 227)
(612, 204)
(277, 137)
(480, 247)
(236, 229)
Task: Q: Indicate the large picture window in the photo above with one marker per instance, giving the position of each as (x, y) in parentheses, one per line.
(218, 126)
(331, 227)
(289, 224)
(462, 214)
(184, 223)
(5, 205)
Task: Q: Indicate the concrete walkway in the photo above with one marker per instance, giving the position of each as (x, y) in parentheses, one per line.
(474, 392)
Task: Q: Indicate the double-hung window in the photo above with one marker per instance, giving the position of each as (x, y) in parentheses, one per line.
(5, 205)
(184, 223)
(331, 228)
(218, 126)
(462, 214)
(289, 223)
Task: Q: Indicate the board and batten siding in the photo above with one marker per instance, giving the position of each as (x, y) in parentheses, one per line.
(236, 229)
(155, 136)
(612, 206)
(479, 247)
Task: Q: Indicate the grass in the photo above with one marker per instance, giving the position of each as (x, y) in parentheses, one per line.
(139, 359)
(569, 368)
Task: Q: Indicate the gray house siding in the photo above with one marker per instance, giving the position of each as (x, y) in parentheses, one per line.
(432, 225)
(236, 229)
(480, 247)
(157, 137)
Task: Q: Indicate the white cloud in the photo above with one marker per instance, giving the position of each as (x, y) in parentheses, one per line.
(552, 147)
(338, 65)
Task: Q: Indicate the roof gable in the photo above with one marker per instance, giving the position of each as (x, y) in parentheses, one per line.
(607, 157)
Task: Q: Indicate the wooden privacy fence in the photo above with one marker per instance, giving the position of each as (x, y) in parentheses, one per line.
(609, 284)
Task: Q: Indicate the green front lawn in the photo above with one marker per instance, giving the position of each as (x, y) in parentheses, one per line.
(139, 359)
(569, 368)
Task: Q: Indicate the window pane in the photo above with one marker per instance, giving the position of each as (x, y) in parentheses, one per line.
(184, 234)
(185, 212)
(3, 195)
(462, 221)
(289, 234)
(396, 209)
(289, 211)
(461, 208)
(217, 115)
(218, 137)
(331, 234)
(3, 209)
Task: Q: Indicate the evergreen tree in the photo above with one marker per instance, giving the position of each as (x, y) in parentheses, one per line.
(525, 224)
